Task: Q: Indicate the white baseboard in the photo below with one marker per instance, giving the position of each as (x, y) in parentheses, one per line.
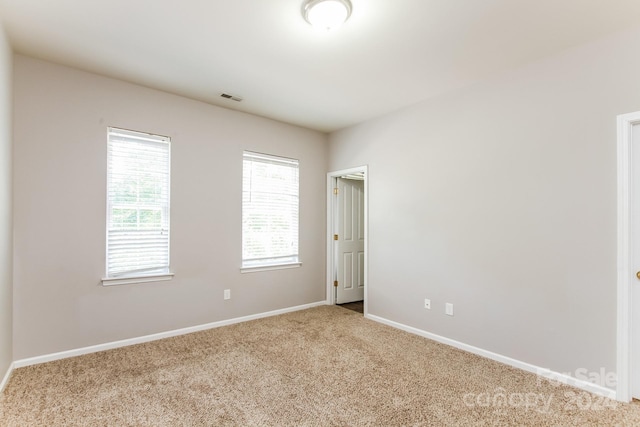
(131, 341)
(546, 373)
(5, 380)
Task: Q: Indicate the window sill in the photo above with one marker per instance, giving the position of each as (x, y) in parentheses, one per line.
(270, 267)
(114, 281)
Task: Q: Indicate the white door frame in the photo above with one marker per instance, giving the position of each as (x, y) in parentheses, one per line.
(625, 262)
(332, 226)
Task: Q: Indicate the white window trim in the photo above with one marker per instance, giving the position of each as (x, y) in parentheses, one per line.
(275, 265)
(270, 267)
(133, 278)
(114, 281)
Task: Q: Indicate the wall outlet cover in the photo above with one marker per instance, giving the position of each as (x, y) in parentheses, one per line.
(448, 309)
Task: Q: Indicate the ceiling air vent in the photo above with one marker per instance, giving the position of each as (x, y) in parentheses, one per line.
(232, 97)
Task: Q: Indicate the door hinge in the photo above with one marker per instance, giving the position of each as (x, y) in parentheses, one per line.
(335, 237)
(335, 190)
(335, 283)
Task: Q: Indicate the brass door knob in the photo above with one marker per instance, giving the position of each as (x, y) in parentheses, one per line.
(638, 274)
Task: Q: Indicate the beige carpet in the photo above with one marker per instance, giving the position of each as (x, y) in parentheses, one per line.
(326, 366)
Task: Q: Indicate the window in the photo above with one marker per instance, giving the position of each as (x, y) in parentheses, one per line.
(269, 211)
(138, 166)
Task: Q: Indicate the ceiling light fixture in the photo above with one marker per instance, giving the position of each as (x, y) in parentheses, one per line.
(326, 14)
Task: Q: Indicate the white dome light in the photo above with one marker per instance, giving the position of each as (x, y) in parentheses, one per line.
(326, 14)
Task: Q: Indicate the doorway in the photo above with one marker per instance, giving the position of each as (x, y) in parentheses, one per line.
(347, 237)
(628, 302)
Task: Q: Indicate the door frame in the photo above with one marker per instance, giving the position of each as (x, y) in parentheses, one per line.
(332, 223)
(625, 301)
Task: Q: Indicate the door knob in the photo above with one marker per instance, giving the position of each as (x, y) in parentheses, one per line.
(638, 274)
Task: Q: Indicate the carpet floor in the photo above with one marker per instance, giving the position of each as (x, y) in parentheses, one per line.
(325, 366)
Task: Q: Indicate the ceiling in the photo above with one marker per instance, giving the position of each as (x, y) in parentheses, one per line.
(389, 54)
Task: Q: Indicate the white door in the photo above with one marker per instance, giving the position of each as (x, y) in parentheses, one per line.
(635, 227)
(350, 243)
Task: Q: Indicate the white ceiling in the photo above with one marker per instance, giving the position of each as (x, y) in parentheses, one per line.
(390, 54)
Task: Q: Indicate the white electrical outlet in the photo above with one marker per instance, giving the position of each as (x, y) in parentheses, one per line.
(448, 309)
(427, 303)
(227, 294)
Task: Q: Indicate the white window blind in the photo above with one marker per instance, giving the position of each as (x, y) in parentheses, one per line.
(138, 175)
(269, 210)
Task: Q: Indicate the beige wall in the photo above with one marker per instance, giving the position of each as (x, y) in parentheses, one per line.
(61, 118)
(513, 217)
(6, 228)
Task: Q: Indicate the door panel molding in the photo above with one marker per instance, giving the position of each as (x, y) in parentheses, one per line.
(347, 277)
